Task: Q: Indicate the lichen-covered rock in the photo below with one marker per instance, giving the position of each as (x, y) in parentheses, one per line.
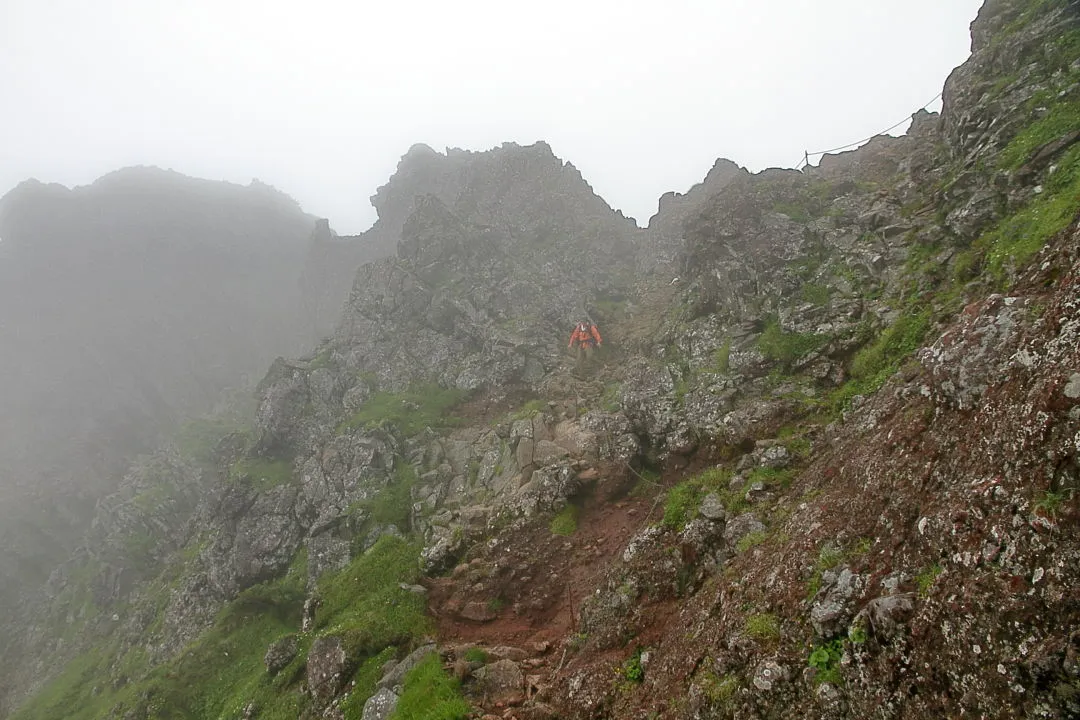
(739, 527)
(712, 508)
(280, 653)
(887, 616)
(966, 360)
(502, 682)
(381, 705)
(326, 665)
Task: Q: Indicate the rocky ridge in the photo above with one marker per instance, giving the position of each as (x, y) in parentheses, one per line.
(860, 393)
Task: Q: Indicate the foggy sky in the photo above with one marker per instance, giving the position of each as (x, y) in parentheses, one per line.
(321, 98)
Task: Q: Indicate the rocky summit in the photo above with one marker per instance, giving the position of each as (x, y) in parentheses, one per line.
(824, 465)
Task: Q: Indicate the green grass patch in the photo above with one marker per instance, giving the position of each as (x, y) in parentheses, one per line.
(431, 694)
(722, 357)
(566, 522)
(411, 412)
(1017, 238)
(197, 439)
(476, 654)
(364, 682)
(881, 359)
(1061, 119)
(829, 556)
(763, 626)
(610, 401)
(215, 676)
(365, 603)
(684, 499)
(786, 347)
(392, 505)
(751, 540)
(771, 477)
(261, 473)
(815, 293)
(321, 360)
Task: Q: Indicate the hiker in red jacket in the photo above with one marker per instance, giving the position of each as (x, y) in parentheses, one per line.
(586, 338)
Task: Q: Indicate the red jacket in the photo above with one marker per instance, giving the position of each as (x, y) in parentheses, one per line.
(584, 334)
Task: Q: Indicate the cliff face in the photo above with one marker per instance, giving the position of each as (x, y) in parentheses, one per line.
(826, 466)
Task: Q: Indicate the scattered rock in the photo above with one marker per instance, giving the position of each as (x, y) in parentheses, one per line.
(740, 527)
(396, 675)
(712, 508)
(887, 615)
(501, 682)
(478, 611)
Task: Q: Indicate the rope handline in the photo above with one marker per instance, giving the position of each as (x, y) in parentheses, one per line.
(805, 159)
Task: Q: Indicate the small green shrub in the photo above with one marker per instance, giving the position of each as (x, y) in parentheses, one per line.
(815, 293)
(566, 521)
(684, 499)
(632, 670)
(1050, 502)
(925, 580)
(719, 690)
(722, 361)
(825, 658)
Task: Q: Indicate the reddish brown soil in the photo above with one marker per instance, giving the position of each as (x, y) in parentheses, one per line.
(535, 580)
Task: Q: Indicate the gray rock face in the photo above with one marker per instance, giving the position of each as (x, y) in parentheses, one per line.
(380, 706)
(281, 653)
(965, 361)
